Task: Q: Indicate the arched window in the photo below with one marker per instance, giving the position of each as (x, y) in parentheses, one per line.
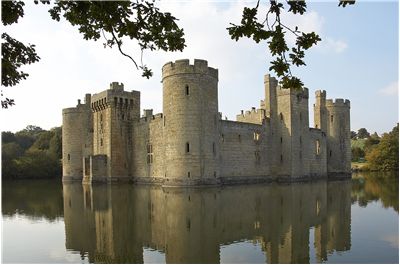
(187, 90)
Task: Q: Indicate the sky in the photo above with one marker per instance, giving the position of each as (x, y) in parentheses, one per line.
(357, 59)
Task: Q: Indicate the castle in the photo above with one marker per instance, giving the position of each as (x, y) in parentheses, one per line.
(105, 139)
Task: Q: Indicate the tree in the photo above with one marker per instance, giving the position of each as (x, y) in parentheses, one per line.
(385, 155)
(362, 133)
(152, 29)
(353, 135)
(275, 33)
(357, 153)
(114, 20)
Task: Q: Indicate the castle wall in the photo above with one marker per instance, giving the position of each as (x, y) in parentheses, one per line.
(243, 149)
(189, 144)
(148, 143)
(317, 153)
(252, 116)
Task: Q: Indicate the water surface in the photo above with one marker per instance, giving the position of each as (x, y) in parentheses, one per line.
(353, 221)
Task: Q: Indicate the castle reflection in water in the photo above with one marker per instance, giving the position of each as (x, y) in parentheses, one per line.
(113, 223)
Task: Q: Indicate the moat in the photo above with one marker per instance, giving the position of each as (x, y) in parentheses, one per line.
(348, 221)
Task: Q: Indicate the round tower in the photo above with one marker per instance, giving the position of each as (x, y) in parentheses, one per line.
(191, 122)
(76, 139)
(338, 136)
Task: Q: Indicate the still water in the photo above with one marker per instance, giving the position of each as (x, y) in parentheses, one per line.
(353, 221)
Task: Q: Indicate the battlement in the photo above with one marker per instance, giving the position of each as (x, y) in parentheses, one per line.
(320, 93)
(184, 67)
(292, 91)
(150, 118)
(253, 116)
(269, 78)
(117, 86)
(338, 102)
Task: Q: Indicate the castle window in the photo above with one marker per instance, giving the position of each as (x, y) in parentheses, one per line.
(215, 174)
(257, 156)
(240, 138)
(331, 118)
(101, 141)
(317, 147)
(222, 137)
(187, 90)
(213, 148)
(256, 136)
(164, 120)
(101, 117)
(330, 153)
(281, 116)
(123, 116)
(149, 153)
(69, 157)
(188, 224)
(189, 174)
(115, 101)
(281, 140)
(121, 101)
(187, 148)
(281, 158)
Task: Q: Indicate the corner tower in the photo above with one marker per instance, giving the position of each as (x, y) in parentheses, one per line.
(77, 139)
(338, 136)
(191, 122)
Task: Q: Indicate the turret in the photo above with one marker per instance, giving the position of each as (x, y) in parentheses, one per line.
(338, 136)
(190, 107)
(76, 139)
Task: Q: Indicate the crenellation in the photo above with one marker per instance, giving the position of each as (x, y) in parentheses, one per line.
(189, 143)
(184, 67)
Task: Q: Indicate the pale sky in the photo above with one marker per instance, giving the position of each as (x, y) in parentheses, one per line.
(357, 59)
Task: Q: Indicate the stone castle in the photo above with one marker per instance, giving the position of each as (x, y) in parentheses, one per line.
(106, 140)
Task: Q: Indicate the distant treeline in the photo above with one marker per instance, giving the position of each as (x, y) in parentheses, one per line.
(31, 153)
(381, 153)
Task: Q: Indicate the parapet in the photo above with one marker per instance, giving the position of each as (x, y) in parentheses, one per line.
(184, 67)
(293, 91)
(339, 102)
(155, 117)
(271, 79)
(320, 93)
(117, 86)
(252, 116)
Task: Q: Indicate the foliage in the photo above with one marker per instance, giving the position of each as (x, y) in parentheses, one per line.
(362, 133)
(357, 153)
(274, 34)
(353, 135)
(385, 155)
(31, 153)
(139, 20)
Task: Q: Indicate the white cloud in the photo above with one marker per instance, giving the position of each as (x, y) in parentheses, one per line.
(391, 89)
(331, 45)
